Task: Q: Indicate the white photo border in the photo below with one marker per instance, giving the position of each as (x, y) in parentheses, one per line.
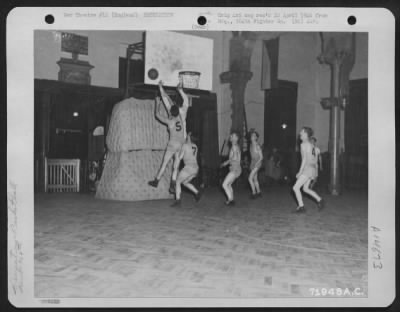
(21, 23)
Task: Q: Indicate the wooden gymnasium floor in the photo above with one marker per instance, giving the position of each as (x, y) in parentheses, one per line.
(92, 248)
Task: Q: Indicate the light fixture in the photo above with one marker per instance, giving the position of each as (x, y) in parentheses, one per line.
(75, 114)
(284, 126)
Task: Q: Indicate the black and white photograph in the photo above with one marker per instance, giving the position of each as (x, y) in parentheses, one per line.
(198, 163)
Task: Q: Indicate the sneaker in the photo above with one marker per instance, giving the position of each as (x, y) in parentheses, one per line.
(153, 183)
(253, 196)
(258, 195)
(321, 204)
(230, 203)
(172, 187)
(300, 209)
(177, 203)
(198, 195)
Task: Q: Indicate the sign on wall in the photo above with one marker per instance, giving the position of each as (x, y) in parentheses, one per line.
(74, 43)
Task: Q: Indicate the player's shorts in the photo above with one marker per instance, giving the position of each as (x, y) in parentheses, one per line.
(236, 169)
(253, 164)
(187, 173)
(174, 146)
(310, 172)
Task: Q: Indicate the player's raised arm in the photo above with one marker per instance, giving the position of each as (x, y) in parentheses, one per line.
(165, 97)
(158, 112)
(185, 104)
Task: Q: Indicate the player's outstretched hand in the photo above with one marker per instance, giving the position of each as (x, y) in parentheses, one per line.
(180, 85)
(160, 83)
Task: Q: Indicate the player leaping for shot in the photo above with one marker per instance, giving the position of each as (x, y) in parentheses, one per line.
(176, 123)
(189, 155)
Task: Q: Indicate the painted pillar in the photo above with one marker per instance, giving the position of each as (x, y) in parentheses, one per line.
(241, 48)
(238, 82)
(334, 133)
(338, 51)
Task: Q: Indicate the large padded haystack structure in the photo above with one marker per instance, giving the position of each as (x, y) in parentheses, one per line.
(136, 142)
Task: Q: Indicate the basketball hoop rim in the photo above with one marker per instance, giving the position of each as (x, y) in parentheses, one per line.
(189, 72)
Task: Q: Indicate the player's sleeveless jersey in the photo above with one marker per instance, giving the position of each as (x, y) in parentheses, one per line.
(235, 163)
(255, 155)
(312, 156)
(310, 168)
(190, 154)
(176, 130)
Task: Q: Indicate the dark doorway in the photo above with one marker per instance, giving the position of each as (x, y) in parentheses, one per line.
(68, 126)
(356, 135)
(202, 122)
(136, 72)
(280, 116)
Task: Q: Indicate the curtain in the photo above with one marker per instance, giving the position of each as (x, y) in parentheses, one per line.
(270, 58)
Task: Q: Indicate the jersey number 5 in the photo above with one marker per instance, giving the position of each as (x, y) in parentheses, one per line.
(178, 126)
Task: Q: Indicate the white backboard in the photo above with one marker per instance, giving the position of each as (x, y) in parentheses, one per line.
(170, 53)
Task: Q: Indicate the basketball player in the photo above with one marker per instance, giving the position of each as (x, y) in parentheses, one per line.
(176, 128)
(255, 164)
(313, 141)
(307, 170)
(189, 155)
(235, 169)
(168, 103)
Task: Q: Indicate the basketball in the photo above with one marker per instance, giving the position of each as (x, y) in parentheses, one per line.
(153, 74)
